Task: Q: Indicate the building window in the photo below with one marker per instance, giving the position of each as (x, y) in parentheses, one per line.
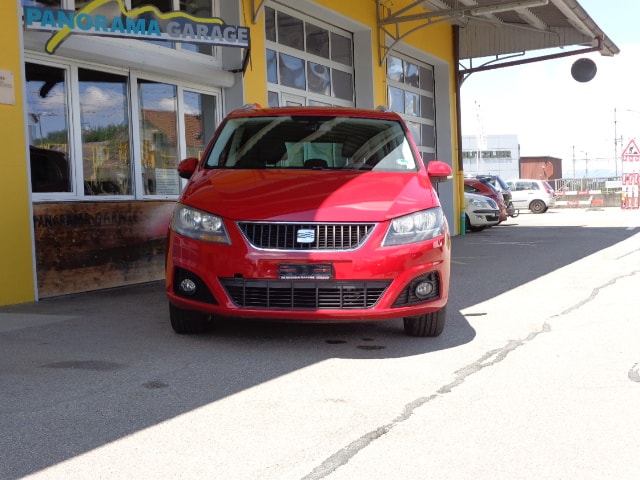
(411, 94)
(307, 59)
(158, 127)
(104, 122)
(84, 144)
(48, 127)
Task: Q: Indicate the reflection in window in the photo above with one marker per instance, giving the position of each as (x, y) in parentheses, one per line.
(199, 121)
(411, 75)
(104, 117)
(272, 66)
(412, 104)
(158, 137)
(395, 71)
(396, 99)
(291, 71)
(48, 128)
(319, 78)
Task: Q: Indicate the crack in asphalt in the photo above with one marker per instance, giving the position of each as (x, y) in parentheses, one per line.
(342, 456)
(490, 358)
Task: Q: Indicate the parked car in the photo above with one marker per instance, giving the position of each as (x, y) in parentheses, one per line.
(480, 212)
(501, 185)
(486, 188)
(532, 194)
(312, 213)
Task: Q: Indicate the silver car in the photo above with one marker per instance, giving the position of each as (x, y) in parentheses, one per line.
(535, 195)
(480, 212)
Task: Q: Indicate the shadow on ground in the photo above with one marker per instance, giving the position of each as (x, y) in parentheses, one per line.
(81, 371)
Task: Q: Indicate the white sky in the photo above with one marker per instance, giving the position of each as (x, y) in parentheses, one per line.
(554, 115)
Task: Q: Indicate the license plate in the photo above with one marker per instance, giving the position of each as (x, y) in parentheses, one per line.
(305, 271)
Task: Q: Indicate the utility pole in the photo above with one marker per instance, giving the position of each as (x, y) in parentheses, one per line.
(574, 161)
(615, 140)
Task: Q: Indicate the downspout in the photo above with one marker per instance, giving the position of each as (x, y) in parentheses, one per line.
(458, 186)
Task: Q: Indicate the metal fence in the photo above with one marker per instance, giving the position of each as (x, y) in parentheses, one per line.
(603, 184)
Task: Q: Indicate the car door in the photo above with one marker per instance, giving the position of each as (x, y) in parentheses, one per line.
(521, 194)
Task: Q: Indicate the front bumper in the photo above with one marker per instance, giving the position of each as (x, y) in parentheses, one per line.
(367, 283)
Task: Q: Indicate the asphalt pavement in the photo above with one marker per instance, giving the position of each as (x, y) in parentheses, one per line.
(536, 376)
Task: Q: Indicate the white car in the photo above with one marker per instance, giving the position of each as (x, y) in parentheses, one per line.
(480, 212)
(535, 195)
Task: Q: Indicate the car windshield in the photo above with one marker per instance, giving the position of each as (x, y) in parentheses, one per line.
(288, 142)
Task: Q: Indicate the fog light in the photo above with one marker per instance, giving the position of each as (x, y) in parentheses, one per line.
(188, 286)
(423, 289)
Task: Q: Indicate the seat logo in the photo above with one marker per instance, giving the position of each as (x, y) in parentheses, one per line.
(305, 235)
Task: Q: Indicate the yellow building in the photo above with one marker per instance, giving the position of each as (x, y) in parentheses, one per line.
(100, 99)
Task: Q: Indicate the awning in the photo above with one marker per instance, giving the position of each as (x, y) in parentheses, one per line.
(498, 28)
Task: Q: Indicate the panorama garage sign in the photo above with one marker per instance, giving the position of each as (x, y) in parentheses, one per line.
(145, 23)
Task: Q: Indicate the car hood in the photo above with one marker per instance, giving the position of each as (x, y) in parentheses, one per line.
(309, 195)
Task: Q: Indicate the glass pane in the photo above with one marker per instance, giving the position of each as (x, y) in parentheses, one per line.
(319, 78)
(48, 128)
(412, 104)
(426, 79)
(158, 137)
(199, 121)
(290, 31)
(427, 108)
(317, 41)
(272, 66)
(394, 69)
(396, 99)
(411, 75)
(270, 24)
(273, 99)
(428, 136)
(414, 128)
(342, 84)
(291, 71)
(104, 117)
(341, 50)
(202, 9)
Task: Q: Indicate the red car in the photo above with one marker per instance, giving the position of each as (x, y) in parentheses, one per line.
(315, 214)
(482, 186)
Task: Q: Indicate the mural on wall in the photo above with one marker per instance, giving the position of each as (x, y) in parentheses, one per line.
(83, 246)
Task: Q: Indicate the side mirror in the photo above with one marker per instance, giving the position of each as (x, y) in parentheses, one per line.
(187, 166)
(439, 171)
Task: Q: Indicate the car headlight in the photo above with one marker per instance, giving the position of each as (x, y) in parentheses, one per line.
(483, 203)
(200, 225)
(416, 227)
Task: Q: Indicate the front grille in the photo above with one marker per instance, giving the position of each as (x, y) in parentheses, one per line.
(304, 295)
(327, 236)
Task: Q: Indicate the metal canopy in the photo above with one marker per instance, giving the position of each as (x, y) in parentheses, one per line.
(496, 28)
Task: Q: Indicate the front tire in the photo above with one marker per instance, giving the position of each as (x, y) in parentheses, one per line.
(538, 206)
(188, 321)
(427, 325)
(469, 227)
